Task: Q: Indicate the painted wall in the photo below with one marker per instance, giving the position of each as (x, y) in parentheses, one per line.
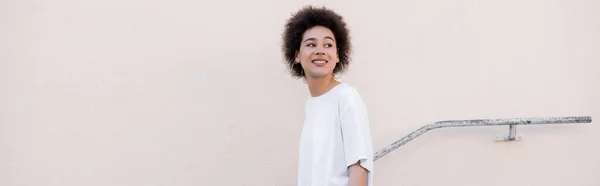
(135, 92)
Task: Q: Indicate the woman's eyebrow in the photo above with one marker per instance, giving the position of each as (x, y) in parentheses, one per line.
(312, 39)
(309, 39)
(327, 37)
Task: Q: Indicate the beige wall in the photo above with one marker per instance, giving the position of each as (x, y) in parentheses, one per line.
(173, 93)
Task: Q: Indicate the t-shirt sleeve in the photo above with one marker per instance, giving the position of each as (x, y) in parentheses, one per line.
(356, 133)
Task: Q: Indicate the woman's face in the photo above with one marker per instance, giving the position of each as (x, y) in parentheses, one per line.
(318, 52)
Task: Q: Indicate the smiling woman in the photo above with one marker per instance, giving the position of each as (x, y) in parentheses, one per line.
(303, 21)
(335, 145)
(318, 48)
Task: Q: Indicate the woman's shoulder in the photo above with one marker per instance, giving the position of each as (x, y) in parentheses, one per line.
(345, 89)
(349, 94)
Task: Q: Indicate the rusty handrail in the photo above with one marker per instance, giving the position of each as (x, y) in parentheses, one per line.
(482, 122)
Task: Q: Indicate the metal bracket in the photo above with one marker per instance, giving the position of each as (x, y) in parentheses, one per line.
(512, 135)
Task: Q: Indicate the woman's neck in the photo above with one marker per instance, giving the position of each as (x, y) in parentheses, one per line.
(320, 86)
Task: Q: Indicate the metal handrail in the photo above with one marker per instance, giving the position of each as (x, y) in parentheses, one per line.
(482, 122)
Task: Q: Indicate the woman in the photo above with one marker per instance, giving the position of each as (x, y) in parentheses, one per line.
(335, 145)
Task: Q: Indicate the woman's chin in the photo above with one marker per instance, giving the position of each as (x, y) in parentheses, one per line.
(320, 74)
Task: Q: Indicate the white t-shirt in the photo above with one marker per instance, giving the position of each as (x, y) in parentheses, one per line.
(335, 135)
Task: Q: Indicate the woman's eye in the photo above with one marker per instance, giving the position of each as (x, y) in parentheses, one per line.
(328, 45)
(310, 45)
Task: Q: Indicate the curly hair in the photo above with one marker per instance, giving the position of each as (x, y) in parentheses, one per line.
(306, 18)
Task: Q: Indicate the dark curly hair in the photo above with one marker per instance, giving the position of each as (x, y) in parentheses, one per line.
(306, 18)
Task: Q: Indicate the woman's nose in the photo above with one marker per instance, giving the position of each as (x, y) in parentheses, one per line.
(319, 51)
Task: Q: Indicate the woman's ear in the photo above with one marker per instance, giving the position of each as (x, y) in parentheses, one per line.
(297, 60)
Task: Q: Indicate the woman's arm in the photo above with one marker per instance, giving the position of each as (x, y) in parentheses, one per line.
(357, 174)
(356, 137)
